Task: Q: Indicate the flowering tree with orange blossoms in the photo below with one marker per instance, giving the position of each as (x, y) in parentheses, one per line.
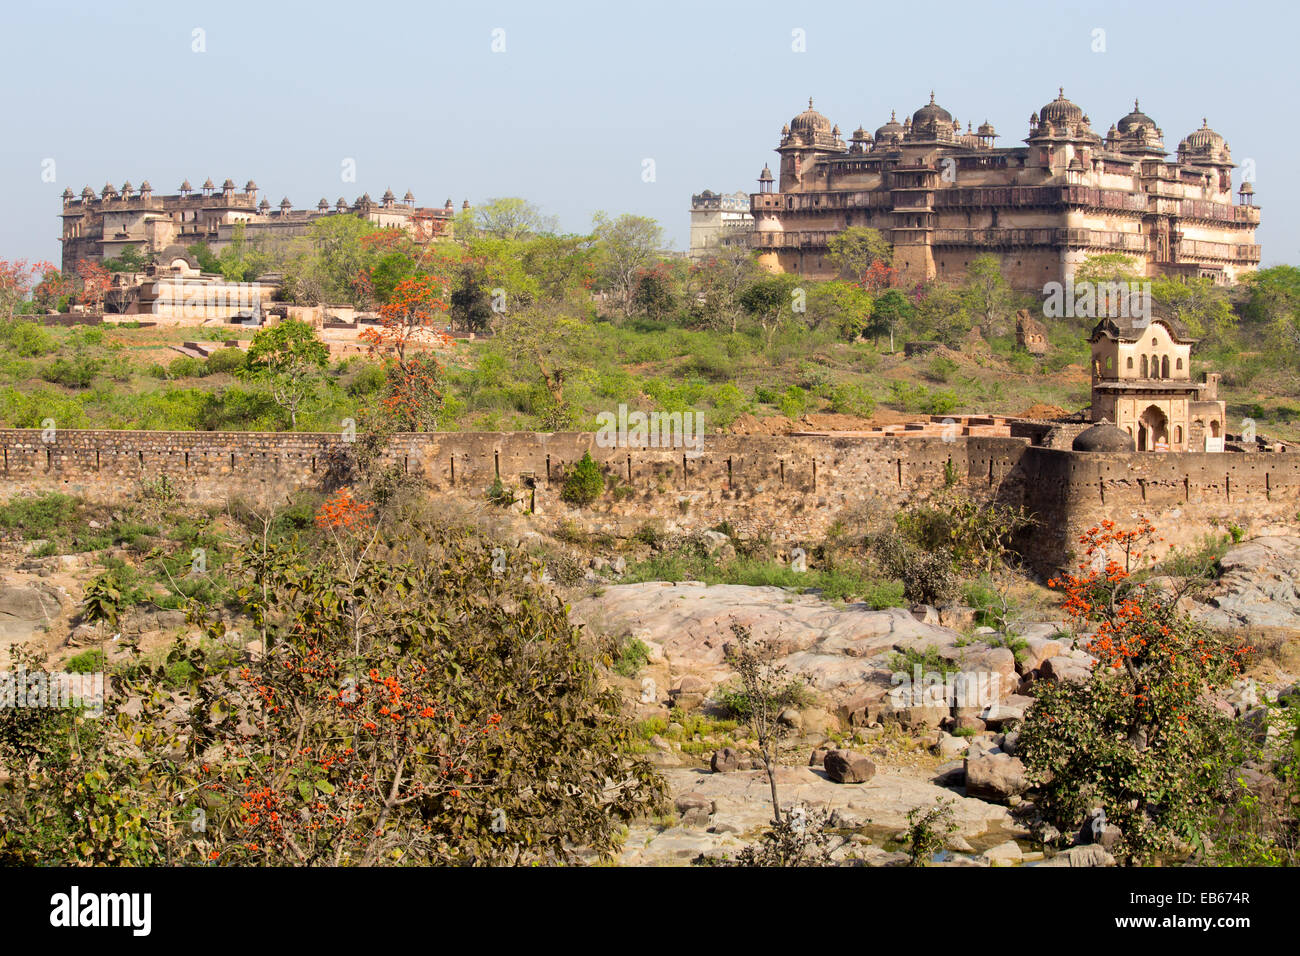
(1139, 738)
(410, 326)
(95, 282)
(16, 280)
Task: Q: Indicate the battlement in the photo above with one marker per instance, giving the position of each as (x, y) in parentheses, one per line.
(792, 487)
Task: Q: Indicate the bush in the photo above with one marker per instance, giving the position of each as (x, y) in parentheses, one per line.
(1139, 738)
(185, 366)
(852, 399)
(40, 516)
(225, 361)
(584, 483)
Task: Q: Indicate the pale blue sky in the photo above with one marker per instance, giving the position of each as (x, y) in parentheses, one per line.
(585, 92)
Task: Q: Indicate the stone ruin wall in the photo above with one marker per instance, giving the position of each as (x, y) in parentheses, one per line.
(791, 487)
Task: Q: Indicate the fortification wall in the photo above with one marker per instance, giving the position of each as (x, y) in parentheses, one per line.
(791, 487)
(1186, 495)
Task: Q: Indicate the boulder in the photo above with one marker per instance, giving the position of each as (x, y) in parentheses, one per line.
(1004, 854)
(693, 801)
(1090, 855)
(995, 777)
(1010, 709)
(846, 766)
(725, 760)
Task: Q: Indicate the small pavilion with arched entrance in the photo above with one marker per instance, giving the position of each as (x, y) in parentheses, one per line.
(1141, 381)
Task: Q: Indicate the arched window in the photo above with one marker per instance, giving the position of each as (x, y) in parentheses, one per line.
(1214, 429)
(1178, 434)
(1179, 365)
(1145, 372)
(1164, 367)
(1130, 363)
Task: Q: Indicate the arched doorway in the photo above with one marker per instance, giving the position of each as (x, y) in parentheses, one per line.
(1153, 429)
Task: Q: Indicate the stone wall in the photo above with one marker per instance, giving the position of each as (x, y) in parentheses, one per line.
(791, 487)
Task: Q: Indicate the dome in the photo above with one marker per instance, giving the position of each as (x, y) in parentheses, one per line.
(186, 187)
(1060, 111)
(323, 205)
(409, 197)
(388, 196)
(810, 122)
(250, 187)
(228, 184)
(890, 129)
(986, 129)
(931, 112)
(264, 204)
(1134, 120)
(766, 175)
(67, 192)
(145, 187)
(1103, 437)
(1205, 138)
(207, 184)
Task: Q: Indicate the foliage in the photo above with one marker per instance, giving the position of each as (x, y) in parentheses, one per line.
(927, 828)
(1137, 738)
(584, 482)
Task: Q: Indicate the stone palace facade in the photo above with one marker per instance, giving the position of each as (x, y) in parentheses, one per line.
(943, 196)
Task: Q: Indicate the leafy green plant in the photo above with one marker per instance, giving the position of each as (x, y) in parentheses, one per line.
(584, 482)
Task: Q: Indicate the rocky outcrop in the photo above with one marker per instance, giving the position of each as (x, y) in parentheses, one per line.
(1259, 586)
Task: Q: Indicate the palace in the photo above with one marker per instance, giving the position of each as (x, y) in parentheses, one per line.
(942, 197)
(102, 227)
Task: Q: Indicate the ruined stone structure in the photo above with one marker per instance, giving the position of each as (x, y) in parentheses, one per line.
(1141, 383)
(1031, 335)
(719, 220)
(98, 227)
(943, 196)
(792, 487)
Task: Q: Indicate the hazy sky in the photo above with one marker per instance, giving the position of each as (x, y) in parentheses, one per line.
(584, 93)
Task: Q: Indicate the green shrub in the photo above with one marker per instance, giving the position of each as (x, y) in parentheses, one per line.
(852, 399)
(87, 662)
(185, 366)
(225, 361)
(40, 516)
(632, 656)
(584, 483)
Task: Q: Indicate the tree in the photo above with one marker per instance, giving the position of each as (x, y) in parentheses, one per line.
(547, 341)
(410, 325)
(719, 280)
(16, 280)
(654, 294)
(626, 246)
(846, 305)
(943, 313)
(1273, 305)
(1138, 738)
(507, 217)
(289, 358)
(51, 293)
(95, 282)
(989, 296)
(1198, 303)
(772, 301)
(890, 312)
(855, 250)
